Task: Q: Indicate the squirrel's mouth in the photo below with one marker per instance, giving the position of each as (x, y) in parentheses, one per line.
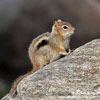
(68, 34)
(71, 32)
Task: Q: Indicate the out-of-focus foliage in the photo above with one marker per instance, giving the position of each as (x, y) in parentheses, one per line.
(23, 20)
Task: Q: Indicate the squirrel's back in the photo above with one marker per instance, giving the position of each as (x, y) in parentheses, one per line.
(35, 45)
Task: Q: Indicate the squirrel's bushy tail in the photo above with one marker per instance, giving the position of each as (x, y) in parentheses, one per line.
(15, 84)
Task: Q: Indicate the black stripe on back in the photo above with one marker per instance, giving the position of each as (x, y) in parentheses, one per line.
(42, 43)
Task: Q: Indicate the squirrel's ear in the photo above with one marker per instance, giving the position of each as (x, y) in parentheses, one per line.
(55, 22)
(59, 20)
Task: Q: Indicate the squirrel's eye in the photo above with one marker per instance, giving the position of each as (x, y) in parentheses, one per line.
(65, 27)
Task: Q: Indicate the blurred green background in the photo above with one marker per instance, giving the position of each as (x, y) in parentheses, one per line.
(23, 20)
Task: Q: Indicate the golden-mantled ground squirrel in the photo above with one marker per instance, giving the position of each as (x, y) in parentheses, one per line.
(48, 47)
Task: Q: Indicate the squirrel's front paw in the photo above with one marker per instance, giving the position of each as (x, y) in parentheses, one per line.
(60, 55)
(46, 64)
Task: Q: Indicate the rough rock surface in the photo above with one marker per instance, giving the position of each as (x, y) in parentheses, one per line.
(74, 77)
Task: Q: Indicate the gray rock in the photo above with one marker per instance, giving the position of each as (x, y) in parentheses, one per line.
(74, 77)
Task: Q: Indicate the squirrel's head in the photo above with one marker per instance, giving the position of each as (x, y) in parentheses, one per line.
(62, 28)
